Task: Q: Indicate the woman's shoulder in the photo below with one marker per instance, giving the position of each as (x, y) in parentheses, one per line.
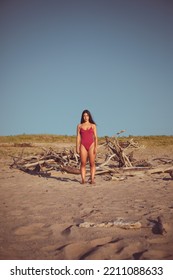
(79, 126)
(93, 125)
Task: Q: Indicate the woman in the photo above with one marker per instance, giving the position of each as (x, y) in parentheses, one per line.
(86, 144)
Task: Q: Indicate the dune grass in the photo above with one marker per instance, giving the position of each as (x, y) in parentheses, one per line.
(30, 139)
(156, 141)
(51, 138)
(36, 138)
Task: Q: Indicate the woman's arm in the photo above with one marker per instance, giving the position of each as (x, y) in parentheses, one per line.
(95, 139)
(78, 140)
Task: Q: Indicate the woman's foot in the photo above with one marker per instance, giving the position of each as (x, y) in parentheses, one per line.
(92, 182)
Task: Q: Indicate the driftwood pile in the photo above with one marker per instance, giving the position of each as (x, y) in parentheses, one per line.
(42, 165)
(117, 161)
(124, 162)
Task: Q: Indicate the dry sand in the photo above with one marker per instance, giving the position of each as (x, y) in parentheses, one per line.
(39, 217)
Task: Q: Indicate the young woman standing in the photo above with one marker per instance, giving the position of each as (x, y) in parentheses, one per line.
(86, 144)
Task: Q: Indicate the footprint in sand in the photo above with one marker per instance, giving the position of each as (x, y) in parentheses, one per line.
(32, 231)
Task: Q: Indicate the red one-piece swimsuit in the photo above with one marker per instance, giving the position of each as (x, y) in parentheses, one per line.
(87, 137)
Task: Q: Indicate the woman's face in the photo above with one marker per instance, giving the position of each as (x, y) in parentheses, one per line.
(86, 117)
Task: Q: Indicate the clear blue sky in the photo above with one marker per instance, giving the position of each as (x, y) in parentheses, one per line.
(113, 57)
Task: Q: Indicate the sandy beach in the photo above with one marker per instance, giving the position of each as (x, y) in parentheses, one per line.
(40, 217)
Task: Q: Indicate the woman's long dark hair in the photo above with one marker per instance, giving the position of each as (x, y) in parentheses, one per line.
(90, 117)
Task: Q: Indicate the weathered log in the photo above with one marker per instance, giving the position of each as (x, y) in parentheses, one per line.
(164, 160)
(120, 223)
(107, 160)
(101, 172)
(40, 162)
(70, 169)
(36, 171)
(158, 170)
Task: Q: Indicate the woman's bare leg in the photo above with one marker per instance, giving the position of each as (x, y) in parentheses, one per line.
(92, 157)
(83, 157)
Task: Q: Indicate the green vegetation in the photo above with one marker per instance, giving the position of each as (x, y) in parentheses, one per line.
(37, 138)
(50, 138)
(30, 144)
(157, 141)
